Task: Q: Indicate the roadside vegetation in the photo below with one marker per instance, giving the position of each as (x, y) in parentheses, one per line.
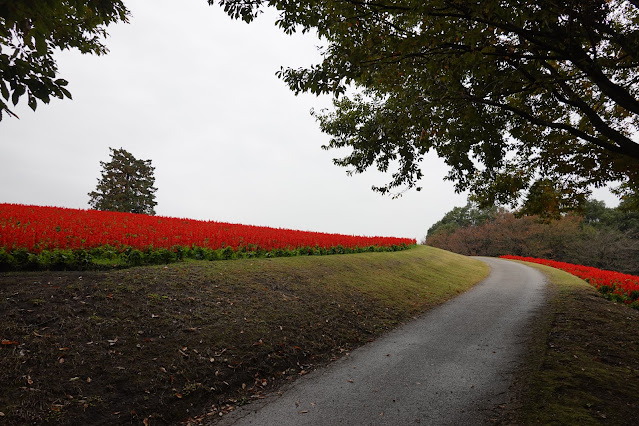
(162, 344)
(583, 367)
(597, 236)
(615, 286)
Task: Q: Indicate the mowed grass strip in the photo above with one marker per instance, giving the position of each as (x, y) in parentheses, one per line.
(192, 340)
(583, 368)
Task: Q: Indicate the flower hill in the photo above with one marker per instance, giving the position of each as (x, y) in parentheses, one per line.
(55, 237)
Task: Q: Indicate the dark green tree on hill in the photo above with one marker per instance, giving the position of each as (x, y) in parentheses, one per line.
(126, 185)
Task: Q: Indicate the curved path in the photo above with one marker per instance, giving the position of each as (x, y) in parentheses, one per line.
(451, 366)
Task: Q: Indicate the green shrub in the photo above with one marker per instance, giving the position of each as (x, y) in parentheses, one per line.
(133, 257)
(159, 256)
(7, 261)
(605, 289)
(112, 257)
(82, 258)
(227, 253)
(180, 252)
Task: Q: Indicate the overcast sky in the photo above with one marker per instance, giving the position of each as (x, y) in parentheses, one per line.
(196, 93)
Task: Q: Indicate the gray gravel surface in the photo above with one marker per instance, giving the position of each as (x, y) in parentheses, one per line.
(451, 366)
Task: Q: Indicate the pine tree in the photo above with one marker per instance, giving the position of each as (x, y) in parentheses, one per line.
(126, 185)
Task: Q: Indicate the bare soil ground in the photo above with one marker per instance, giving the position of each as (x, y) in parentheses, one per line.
(160, 345)
(191, 341)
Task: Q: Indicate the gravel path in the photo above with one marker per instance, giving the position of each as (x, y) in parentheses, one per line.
(452, 366)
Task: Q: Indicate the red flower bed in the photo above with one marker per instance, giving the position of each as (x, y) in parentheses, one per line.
(615, 285)
(37, 228)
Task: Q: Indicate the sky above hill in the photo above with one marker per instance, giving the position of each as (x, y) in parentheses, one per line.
(196, 93)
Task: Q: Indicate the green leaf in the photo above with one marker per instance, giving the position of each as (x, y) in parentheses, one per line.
(19, 91)
(4, 90)
(66, 92)
(41, 45)
(33, 103)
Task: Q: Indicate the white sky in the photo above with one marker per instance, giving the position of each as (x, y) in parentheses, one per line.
(196, 92)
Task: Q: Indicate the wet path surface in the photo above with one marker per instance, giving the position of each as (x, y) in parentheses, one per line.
(451, 366)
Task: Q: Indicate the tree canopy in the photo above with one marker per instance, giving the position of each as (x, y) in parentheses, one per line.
(523, 100)
(30, 31)
(126, 185)
(596, 236)
(463, 217)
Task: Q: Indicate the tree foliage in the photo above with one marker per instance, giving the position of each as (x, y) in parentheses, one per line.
(535, 101)
(623, 219)
(598, 236)
(463, 217)
(126, 185)
(30, 31)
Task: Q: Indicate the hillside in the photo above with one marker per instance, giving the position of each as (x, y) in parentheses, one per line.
(164, 343)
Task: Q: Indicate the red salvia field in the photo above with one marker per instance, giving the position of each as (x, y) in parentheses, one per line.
(616, 285)
(37, 228)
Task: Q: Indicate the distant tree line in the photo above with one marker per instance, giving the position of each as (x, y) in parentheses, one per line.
(598, 236)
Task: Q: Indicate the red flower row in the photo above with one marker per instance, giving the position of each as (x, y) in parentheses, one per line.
(624, 287)
(37, 228)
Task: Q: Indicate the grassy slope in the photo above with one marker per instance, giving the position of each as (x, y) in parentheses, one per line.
(162, 344)
(583, 366)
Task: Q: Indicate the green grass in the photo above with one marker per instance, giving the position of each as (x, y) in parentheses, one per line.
(583, 366)
(196, 338)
